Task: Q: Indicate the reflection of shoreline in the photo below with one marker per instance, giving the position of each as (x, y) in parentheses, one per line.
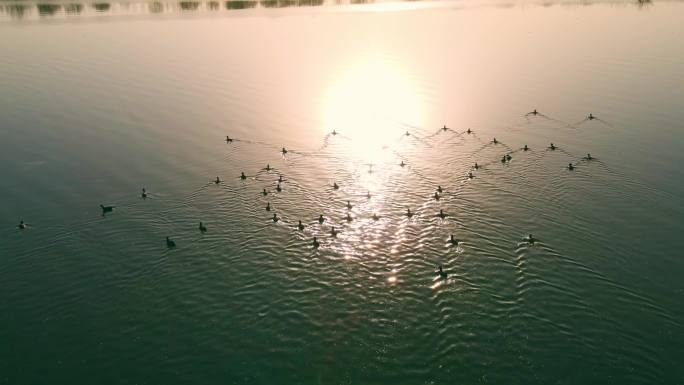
(23, 10)
(290, 3)
(240, 4)
(40, 10)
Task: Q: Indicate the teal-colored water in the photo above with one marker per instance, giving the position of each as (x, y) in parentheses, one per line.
(97, 104)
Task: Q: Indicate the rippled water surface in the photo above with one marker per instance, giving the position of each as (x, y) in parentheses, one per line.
(99, 100)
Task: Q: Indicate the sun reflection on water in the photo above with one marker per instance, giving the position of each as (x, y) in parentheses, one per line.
(374, 102)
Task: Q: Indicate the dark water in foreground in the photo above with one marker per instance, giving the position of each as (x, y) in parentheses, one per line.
(97, 104)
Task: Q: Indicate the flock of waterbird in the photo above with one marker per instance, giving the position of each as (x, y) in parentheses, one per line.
(315, 243)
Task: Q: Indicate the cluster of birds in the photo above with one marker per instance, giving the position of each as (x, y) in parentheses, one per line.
(530, 240)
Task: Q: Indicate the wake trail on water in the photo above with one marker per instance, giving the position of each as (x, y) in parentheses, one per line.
(350, 181)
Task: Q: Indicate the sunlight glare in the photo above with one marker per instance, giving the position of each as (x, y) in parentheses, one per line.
(373, 103)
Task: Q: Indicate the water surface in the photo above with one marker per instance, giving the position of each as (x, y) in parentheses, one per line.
(99, 101)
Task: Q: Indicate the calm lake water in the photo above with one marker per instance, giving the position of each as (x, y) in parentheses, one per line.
(98, 100)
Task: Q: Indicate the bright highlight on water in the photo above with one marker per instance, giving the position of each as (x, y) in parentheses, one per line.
(341, 192)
